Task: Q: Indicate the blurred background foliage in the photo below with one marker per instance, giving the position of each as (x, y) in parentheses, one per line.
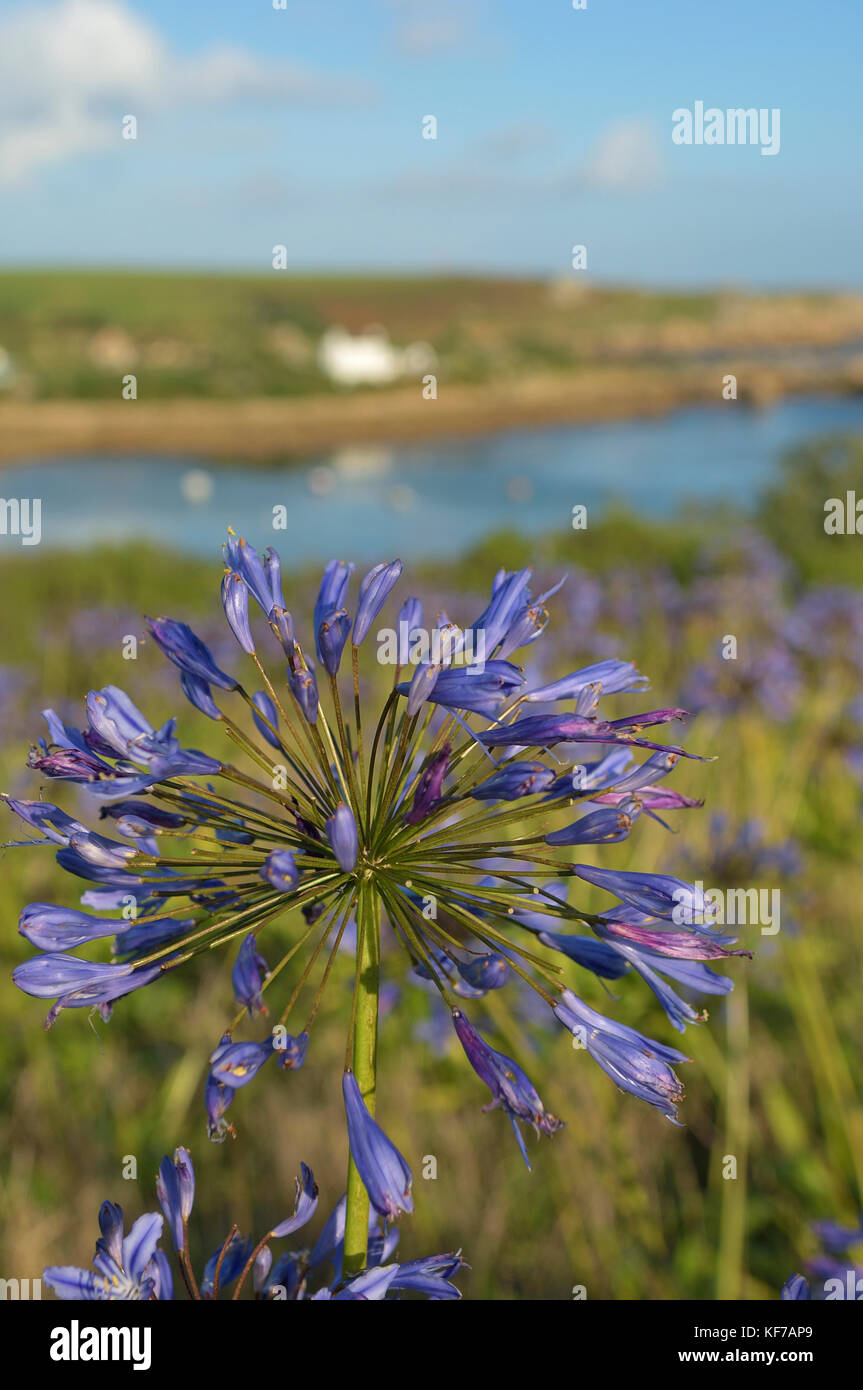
(620, 1202)
(70, 333)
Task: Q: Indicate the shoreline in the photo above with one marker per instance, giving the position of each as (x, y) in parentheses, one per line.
(276, 429)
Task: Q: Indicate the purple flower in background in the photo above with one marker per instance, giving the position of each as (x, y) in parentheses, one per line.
(140, 818)
(836, 1275)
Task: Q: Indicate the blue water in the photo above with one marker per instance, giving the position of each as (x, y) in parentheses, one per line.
(431, 499)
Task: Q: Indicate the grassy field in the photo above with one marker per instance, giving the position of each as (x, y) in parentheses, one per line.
(70, 336)
(228, 366)
(620, 1201)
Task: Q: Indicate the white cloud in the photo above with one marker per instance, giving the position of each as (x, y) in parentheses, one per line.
(511, 164)
(70, 70)
(421, 36)
(421, 32)
(627, 157)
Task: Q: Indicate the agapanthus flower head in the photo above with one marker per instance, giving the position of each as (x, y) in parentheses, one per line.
(135, 1267)
(430, 807)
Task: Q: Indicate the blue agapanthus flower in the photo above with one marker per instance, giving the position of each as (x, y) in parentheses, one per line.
(452, 807)
(134, 1267)
(125, 1268)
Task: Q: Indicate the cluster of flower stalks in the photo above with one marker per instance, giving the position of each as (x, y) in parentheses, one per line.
(449, 816)
(134, 1267)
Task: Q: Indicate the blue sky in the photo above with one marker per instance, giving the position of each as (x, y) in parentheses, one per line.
(303, 127)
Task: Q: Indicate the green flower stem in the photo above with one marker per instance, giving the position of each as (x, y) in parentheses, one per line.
(358, 715)
(365, 1048)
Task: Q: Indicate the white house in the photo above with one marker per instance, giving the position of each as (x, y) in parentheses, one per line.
(369, 358)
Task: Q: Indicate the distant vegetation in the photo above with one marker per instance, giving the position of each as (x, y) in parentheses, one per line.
(71, 334)
(793, 511)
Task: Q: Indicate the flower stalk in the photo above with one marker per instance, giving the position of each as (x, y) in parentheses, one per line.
(364, 1062)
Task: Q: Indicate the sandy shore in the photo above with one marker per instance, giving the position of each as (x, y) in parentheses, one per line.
(270, 429)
